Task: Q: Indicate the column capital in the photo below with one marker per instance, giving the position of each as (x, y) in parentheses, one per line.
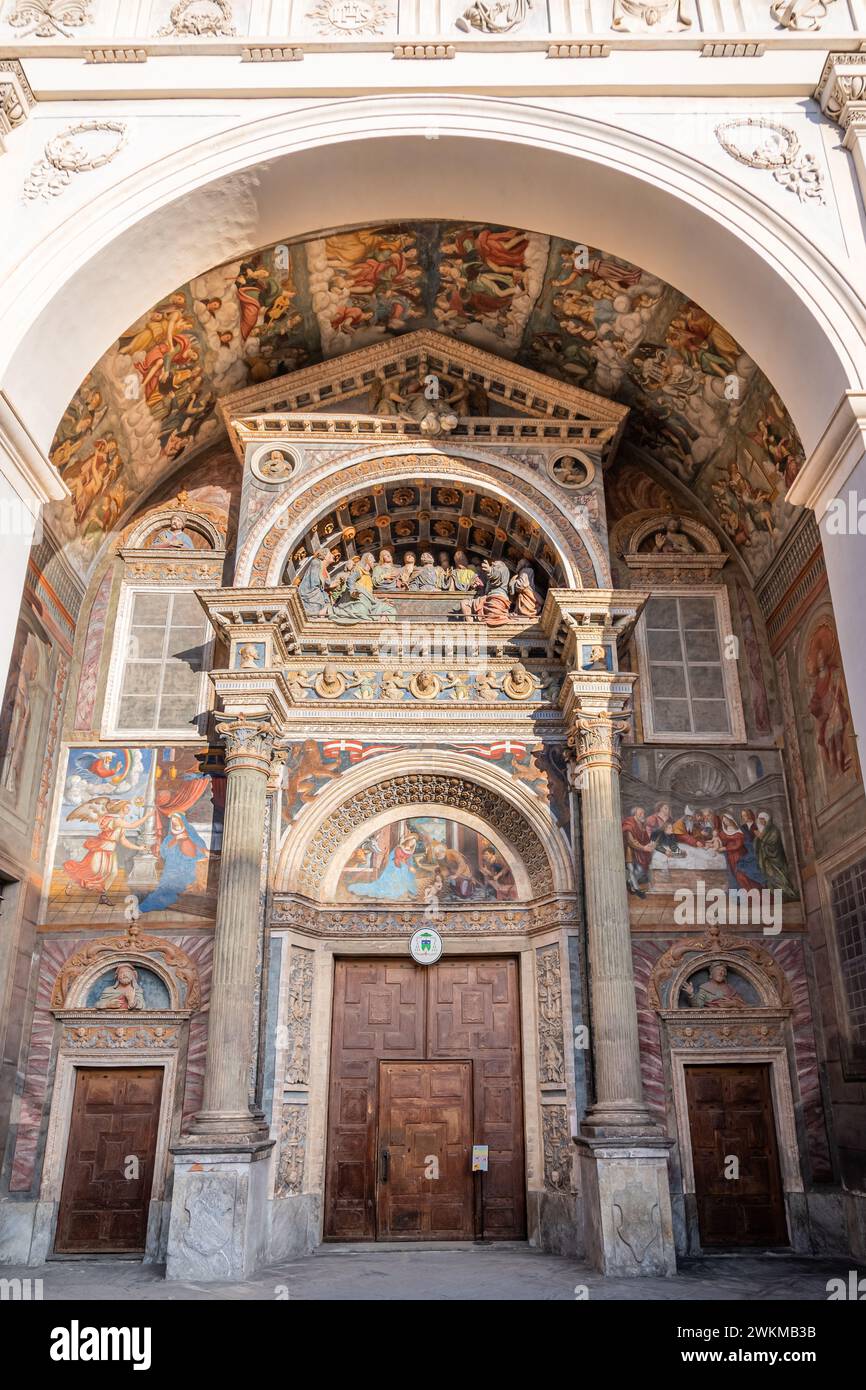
(249, 743)
(841, 93)
(597, 710)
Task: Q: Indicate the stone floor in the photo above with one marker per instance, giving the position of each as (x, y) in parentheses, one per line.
(449, 1272)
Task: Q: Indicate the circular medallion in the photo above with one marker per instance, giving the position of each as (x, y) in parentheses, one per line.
(425, 946)
(570, 471)
(274, 465)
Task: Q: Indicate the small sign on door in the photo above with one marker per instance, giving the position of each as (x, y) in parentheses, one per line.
(479, 1158)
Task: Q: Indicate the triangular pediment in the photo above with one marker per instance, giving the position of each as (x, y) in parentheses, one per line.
(392, 380)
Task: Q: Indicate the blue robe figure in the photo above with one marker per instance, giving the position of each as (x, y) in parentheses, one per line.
(182, 848)
(312, 585)
(397, 880)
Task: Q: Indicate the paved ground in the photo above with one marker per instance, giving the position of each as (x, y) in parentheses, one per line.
(448, 1272)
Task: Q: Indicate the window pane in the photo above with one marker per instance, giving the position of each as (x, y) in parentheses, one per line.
(672, 716)
(702, 646)
(141, 679)
(177, 713)
(662, 612)
(668, 681)
(698, 612)
(664, 646)
(187, 611)
(146, 643)
(137, 712)
(706, 682)
(151, 608)
(179, 679)
(710, 716)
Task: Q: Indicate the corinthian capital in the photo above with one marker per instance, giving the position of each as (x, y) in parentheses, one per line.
(249, 743)
(841, 92)
(595, 740)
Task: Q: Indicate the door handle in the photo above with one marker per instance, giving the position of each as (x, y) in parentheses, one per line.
(385, 1157)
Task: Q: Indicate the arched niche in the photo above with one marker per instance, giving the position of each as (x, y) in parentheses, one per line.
(518, 824)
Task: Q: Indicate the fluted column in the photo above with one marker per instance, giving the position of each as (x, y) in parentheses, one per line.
(225, 1106)
(595, 739)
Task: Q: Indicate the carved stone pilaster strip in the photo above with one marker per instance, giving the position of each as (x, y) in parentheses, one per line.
(293, 1149)
(558, 1148)
(551, 1043)
(298, 1019)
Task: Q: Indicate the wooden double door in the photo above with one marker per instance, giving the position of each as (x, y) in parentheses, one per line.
(108, 1176)
(738, 1180)
(425, 1062)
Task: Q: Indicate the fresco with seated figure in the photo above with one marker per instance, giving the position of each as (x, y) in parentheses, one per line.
(425, 859)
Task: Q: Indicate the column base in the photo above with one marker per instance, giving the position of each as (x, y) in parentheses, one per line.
(620, 1119)
(219, 1210)
(233, 1124)
(627, 1205)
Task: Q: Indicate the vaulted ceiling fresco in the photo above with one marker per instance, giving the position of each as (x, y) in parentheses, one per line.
(699, 405)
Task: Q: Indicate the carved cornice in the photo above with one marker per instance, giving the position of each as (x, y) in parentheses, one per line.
(841, 92)
(16, 97)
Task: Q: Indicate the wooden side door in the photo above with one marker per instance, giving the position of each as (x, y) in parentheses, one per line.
(105, 1197)
(425, 1181)
(731, 1116)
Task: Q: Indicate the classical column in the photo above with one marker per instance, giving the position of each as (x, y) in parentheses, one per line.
(595, 737)
(225, 1107)
(623, 1150)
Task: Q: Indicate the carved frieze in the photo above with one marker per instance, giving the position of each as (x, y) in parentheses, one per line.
(493, 919)
(200, 19)
(50, 19)
(99, 1036)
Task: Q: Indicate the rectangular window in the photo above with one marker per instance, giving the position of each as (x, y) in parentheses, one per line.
(848, 900)
(689, 686)
(160, 663)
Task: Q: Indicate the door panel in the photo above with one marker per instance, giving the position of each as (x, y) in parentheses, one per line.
(115, 1117)
(425, 1142)
(731, 1115)
(388, 1010)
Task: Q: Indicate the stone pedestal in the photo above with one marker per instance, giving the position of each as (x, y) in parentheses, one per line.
(627, 1207)
(219, 1211)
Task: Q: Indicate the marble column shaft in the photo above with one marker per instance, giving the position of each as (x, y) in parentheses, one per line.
(619, 1107)
(225, 1104)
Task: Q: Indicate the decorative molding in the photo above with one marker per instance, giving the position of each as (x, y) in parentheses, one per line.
(763, 144)
(481, 919)
(16, 97)
(710, 946)
(81, 1035)
(800, 15)
(649, 16)
(272, 55)
(116, 55)
(200, 19)
(46, 19)
(733, 50)
(352, 17)
(105, 948)
(579, 50)
(418, 789)
(841, 93)
(62, 158)
(425, 50)
(761, 1028)
(493, 16)
(551, 1040)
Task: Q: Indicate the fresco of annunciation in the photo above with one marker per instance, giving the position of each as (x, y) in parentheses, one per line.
(699, 405)
(138, 827)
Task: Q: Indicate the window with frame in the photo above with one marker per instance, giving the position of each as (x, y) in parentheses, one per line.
(848, 901)
(160, 663)
(688, 689)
